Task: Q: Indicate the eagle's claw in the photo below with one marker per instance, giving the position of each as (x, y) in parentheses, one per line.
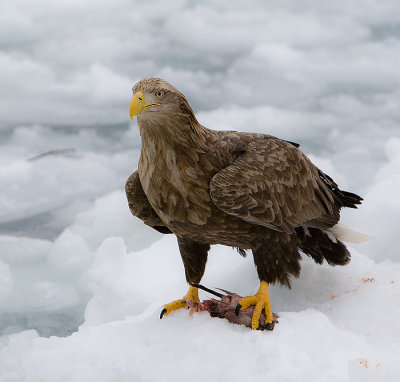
(261, 301)
(162, 313)
(237, 309)
(192, 294)
(270, 326)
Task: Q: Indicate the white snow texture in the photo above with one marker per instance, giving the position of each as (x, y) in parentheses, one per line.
(82, 282)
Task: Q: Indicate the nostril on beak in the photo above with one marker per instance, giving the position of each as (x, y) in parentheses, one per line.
(141, 99)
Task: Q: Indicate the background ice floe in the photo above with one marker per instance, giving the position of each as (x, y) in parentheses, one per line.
(76, 266)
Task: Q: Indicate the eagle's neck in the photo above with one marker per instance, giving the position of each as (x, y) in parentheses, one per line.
(169, 168)
(176, 130)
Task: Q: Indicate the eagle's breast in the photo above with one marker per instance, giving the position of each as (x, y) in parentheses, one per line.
(176, 187)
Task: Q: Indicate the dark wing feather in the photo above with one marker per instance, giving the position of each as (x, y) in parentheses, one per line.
(140, 206)
(275, 185)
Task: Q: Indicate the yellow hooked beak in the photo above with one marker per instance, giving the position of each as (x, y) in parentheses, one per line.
(139, 104)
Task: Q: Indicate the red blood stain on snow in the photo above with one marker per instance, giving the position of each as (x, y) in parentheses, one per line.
(367, 280)
(364, 362)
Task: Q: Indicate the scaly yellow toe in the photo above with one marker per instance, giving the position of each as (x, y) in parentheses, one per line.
(261, 301)
(192, 294)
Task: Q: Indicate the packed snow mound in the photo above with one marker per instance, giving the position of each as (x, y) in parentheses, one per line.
(335, 325)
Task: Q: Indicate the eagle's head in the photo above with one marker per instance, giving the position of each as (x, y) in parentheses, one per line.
(155, 99)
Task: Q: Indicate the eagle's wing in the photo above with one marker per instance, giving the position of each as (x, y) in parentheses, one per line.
(275, 185)
(140, 206)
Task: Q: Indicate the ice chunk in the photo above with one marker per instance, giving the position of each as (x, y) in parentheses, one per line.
(6, 282)
(23, 250)
(379, 215)
(125, 284)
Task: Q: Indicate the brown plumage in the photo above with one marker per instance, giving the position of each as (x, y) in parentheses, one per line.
(251, 191)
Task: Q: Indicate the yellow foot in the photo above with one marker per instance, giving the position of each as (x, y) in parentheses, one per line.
(261, 301)
(192, 294)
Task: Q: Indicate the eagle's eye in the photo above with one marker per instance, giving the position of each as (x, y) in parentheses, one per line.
(159, 93)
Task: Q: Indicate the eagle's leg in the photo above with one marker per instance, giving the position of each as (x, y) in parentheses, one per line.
(276, 260)
(194, 256)
(261, 301)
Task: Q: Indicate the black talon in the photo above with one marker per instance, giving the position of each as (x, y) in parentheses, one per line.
(269, 326)
(162, 313)
(237, 309)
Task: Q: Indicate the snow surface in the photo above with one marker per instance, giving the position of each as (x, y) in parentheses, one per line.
(82, 282)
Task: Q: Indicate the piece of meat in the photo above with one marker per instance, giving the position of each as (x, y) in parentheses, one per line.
(225, 308)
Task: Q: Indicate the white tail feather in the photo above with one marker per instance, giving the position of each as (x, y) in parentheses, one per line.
(345, 234)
